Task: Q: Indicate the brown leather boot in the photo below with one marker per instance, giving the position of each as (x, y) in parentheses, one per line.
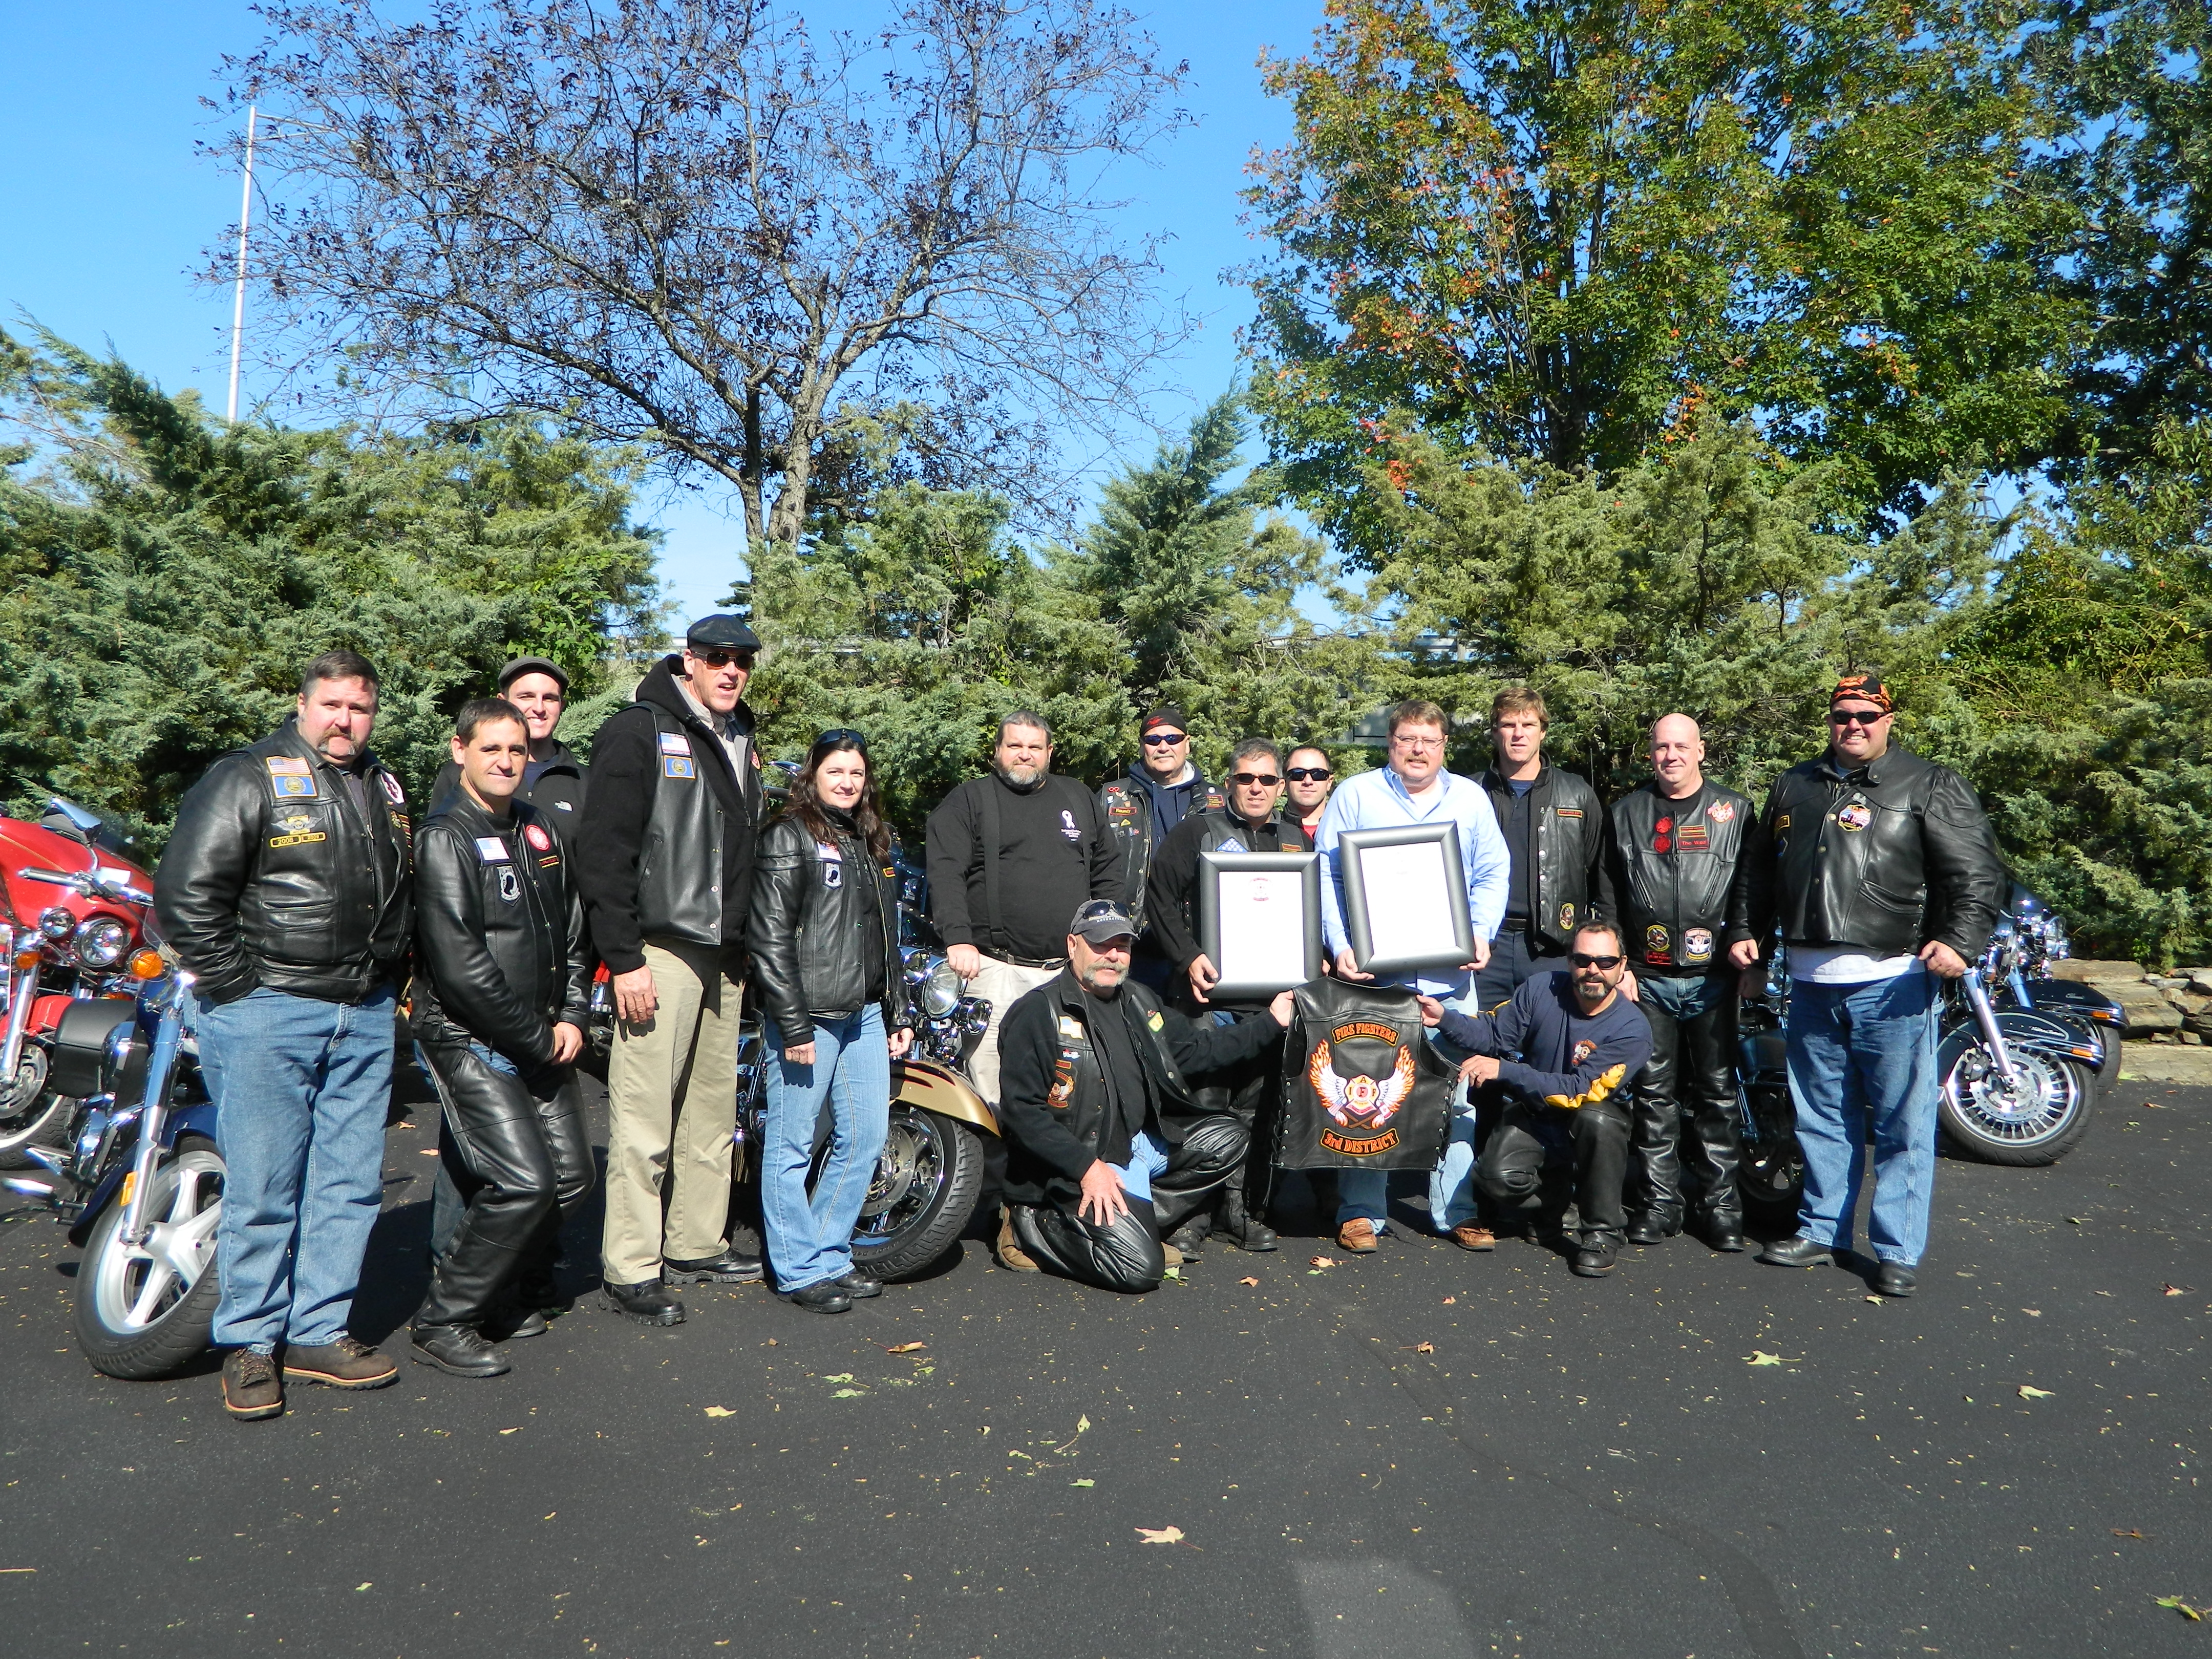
(251, 1386)
(1011, 1256)
(344, 1364)
(1357, 1236)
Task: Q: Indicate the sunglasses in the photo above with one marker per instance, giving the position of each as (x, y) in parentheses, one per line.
(1857, 716)
(722, 658)
(1605, 964)
(841, 734)
(1161, 740)
(1266, 780)
(1301, 774)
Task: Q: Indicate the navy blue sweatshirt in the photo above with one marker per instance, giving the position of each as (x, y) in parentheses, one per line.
(1565, 1058)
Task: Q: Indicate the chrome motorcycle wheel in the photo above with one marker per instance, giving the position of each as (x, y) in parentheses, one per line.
(28, 1114)
(925, 1186)
(2034, 1121)
(143, 1310)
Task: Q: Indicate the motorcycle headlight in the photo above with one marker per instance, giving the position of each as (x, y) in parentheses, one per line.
(57, 924)
(914, 966)
(101, 942)
(2054, 938)
(940, 991)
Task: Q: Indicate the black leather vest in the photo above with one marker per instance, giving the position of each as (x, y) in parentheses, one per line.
(1675, 905)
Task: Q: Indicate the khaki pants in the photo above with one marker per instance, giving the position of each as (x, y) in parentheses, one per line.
(1002, 983)
(671, 1105)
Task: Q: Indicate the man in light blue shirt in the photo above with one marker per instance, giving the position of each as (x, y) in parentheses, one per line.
(1414, 788)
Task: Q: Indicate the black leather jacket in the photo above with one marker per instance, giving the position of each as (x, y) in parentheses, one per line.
(808, 929)
(1567, 825)
(1173, 884)
(499, 954)
(557, 791)
(273, 876)
(1127, 804)
(1052, 1099)
(1886, 857)
(1673, 907)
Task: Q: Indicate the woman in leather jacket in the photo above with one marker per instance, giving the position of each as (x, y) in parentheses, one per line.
(823, 933)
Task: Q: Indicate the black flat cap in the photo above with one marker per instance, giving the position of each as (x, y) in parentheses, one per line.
(521, 665)
(721, 633)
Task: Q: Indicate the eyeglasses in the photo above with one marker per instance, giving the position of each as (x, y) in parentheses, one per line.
(1266, 780)
(841, 734)
(1301, 774)
(1161, 740)
(722, 658)
(1856, 717)
(1582, 960)
(1417, 743)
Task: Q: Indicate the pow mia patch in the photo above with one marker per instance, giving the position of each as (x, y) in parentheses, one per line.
(510, 884)
(833, 873)
(1856, 816)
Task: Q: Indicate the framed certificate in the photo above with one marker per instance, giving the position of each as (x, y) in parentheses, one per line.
(1405, 897)
(1259, 919)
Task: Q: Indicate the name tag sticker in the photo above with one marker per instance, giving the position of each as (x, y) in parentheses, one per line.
(674, 742)
(279, 765)
(491, 849)
(678, 766)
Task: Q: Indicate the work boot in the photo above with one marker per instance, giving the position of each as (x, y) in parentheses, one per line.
(1474, 1235)
(1645, 1231)
(250, 1387)
(458, 1352)
(344, 1364)
(647, 1302)
(1011, 1257)
(732, 1266)
(1189, 1239)
(1236, 1222)
(515, 1322)
(1357, 1236)
(1797, 1252)
(1594, 1259)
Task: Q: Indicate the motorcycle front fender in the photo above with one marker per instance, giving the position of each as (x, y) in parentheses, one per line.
(2022, 1030)
(197, 1119)
(934, 1088)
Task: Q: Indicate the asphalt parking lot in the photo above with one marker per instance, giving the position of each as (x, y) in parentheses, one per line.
(1424, 1453)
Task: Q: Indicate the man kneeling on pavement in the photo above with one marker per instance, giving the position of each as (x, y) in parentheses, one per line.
(1106, 1151)
(1563, 1046)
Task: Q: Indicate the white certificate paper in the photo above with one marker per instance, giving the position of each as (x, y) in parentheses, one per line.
(1408, 901)
(1263, 924)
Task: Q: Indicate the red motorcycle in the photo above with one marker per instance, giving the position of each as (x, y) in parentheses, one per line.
(73, 910)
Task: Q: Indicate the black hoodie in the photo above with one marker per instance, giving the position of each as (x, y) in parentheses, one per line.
(663, 802)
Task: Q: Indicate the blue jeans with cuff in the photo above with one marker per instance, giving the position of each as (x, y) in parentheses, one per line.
(301, 1088)
(1859, 1053)
(810, 1240)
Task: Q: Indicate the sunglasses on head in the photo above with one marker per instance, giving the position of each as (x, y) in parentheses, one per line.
(1856, 717)
(841, 734)
(1266, 780)
(1154, 739)
(1584, 959)
(1301, 774)
(718, 659)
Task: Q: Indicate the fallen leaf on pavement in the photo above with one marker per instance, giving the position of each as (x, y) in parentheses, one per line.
(842, 1376)
(1248, 1279)
(1083, 1482)
(2130, 1532)
(2074, 1220)
(517, 1430)
(1326, 1261)
(1424, 1347)
(429, 1152)
(1761, 1356)
(771, 1342)
(1171, 1272)
(2181, 1608)
(719, 1411)
(1877, 1300)
(359, 1587)
(2029, 1391)
(2173, 1290)
(2032, 1313)
(907, 1348)
(1162, 1534)
(846, 1394)
(1083, 1426)
(1450, 1300)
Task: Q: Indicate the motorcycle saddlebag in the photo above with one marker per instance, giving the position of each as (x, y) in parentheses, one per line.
(1363, 1089)
(80, 1066)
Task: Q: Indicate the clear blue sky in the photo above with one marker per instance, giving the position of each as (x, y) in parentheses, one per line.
(108, 208)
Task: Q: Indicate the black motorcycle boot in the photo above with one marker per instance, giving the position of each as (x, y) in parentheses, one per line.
(1797, 1252)
(732, 1266)
(458, 1352)
(827, 1297)
(1594, 1257)
(1189, 1239)
(1895, 1279)
(647, 1302)
(1647, 1230)
(1724, 1231)
(857, 1285)
(1236, 1222)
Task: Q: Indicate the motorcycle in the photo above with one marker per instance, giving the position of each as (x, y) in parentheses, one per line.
(2019, 1066)
(140, 1177)
(73, 910)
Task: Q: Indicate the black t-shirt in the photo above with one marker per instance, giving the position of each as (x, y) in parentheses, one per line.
(1055, 852)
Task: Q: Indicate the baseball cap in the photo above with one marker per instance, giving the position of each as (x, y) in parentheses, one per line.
(1100, 920)
(521, 665)
(1167, 714)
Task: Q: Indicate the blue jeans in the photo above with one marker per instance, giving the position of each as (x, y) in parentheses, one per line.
(1855, 1051)
(810, 1239)
(301, 1087)
(1147, 1158)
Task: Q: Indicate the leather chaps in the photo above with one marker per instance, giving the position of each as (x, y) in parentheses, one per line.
(1592, 1141)
(1692, 1065)
(517, 1155)
(1126, 1256)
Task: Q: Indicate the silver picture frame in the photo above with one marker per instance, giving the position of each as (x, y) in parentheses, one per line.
(1405, 898)
(1259, 919)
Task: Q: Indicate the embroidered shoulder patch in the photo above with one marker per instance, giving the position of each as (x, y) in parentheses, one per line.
(678, 766)
(674, 742)
(1071, 1028)
(535, 835)
(491, 849)
(280, 764)
(393, 789)
(1154, 1020)
(1721, 811)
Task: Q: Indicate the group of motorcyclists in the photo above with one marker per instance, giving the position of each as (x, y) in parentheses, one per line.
(1598, 1005)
